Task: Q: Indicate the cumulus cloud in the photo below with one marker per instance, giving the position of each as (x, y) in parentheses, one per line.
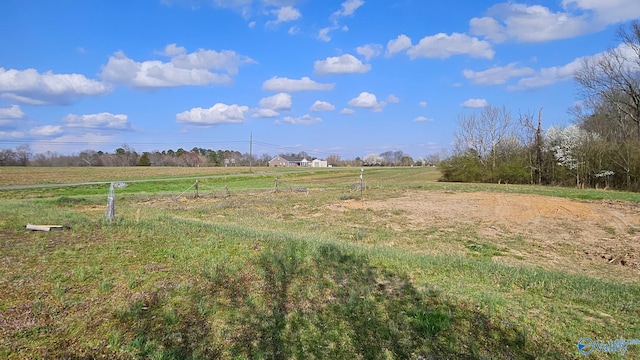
(422, 104)
(285, 14)
(549, 76)
(323, 34)
(606, 12)
(281, 84)
(302, 120)
(393, 99)
(401, 43)
(475, 103)
(102, 120)
(279, 102)
(345, 64)
(47, 130)
(11, 113)
(217, 114)
(172, 50)
(347, 111)
(265, 113)
(31, 87)
(202, 67)
(537, 23)
(322, 106)
(443, 46)
(422, 119)
(349, 7)
(369, 51)
(367, 100)
(497, 75)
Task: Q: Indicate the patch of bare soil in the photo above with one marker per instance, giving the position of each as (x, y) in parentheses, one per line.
(553, 231)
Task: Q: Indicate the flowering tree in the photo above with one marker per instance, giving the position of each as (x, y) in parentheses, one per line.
(373, 160)
(565, 144)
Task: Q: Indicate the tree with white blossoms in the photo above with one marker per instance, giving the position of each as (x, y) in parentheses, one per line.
(566, 144)
(373, 160)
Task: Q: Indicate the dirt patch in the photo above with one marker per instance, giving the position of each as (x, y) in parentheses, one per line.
(548, 228)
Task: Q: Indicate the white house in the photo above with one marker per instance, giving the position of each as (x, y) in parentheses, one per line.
(319, 163)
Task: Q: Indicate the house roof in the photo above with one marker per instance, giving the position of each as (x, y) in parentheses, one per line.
(291, 158)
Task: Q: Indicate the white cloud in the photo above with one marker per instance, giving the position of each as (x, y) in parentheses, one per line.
(103, 120)
(537, 23)
(489, 28)
(172, 50)
(322, 106)
(279, 102)
(443, 46)
(246, 8)
(422, 104)
(393, 99)
(607, 12)
(323, 34)
(11, 113)
(183, 69)
(252, 24)
(217, 114)
(293, 30)
(369, 51)
(47, 130)
(422, 119)
(402, 42)
(347, 111)
(367, 100)
(265, 113)
(30, 87)
(11, 135)
(292, 85)
(226, 60)
(302, 120)
(475, 103)
(549, 76)
(285, 14)
(349, 7)
(69, 142)
(345, 64)
(497, 75)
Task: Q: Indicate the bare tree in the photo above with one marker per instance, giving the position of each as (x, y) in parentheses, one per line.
(333, 159)
(481, 132)
(614, 77)
(535, 138)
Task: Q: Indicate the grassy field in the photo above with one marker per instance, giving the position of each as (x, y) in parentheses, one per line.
(261, 266)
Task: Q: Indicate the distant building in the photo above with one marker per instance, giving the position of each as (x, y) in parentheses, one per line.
(319, 163)
(289, 161)
(286, 161)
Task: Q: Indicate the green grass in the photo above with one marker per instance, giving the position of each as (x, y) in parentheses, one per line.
(261, 274)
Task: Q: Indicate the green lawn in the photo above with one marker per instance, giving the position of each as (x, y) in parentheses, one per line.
(245, 271)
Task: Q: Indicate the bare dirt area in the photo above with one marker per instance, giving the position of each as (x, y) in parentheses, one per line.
(545, 231)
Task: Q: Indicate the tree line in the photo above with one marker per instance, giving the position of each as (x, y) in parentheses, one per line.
(600, 149)
(196, 157)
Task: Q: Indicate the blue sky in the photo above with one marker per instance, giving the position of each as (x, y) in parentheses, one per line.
(327, 77)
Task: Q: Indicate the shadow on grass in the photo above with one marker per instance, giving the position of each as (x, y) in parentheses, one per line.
(295, 301)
